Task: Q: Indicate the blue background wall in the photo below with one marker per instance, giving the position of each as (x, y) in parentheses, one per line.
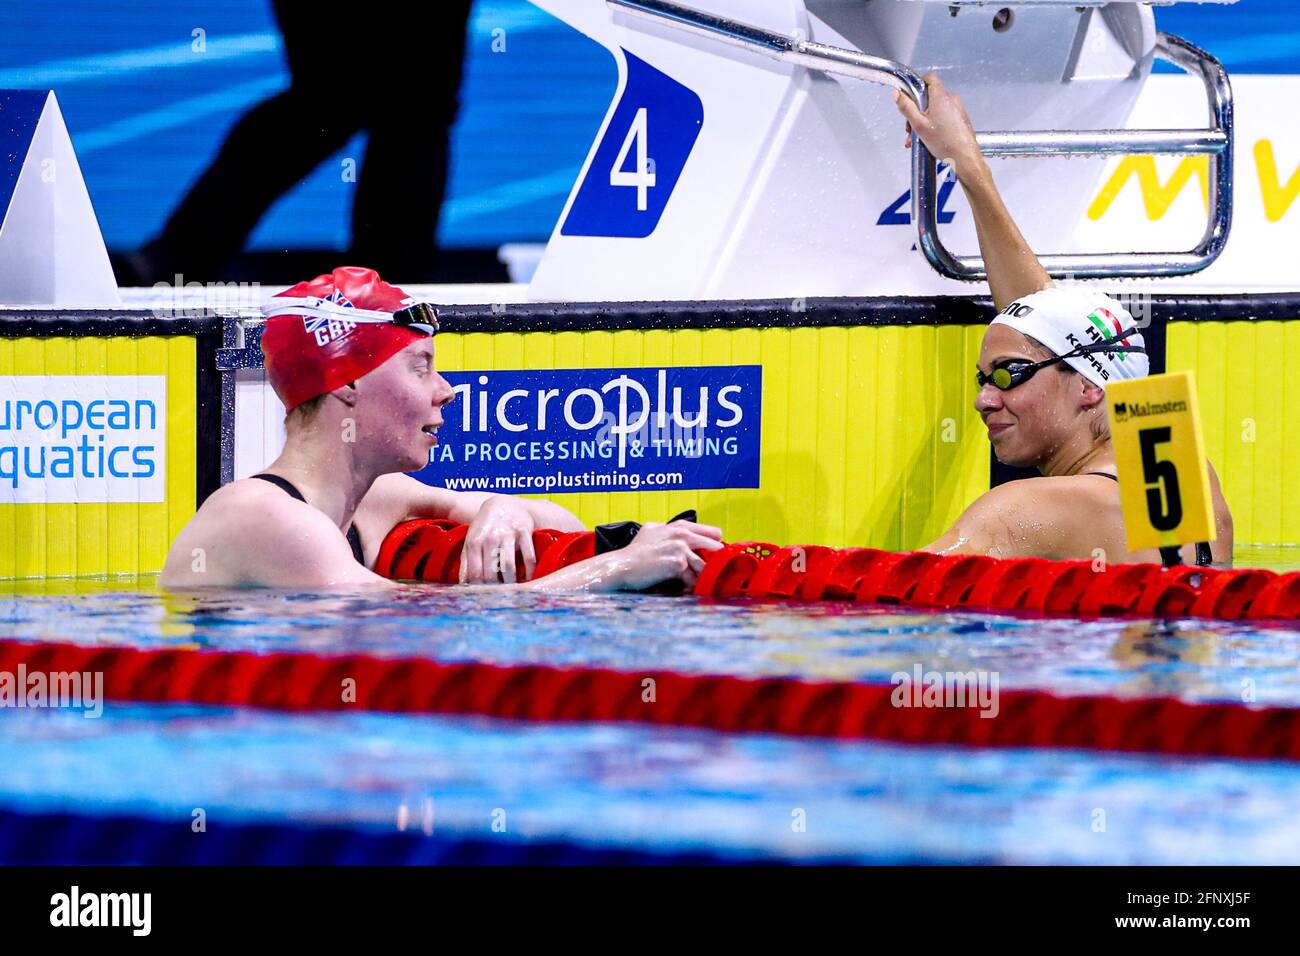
(147, 113)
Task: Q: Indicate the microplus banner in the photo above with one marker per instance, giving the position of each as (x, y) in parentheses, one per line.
(83, 438)
(606, 429)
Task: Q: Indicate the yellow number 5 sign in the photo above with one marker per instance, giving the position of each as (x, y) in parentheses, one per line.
(1164, 484)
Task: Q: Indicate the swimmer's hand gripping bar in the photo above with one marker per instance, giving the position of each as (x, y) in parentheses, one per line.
(1215, 141)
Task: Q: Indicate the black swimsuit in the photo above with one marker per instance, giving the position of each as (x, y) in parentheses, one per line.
(354, 537)
(1204, 556)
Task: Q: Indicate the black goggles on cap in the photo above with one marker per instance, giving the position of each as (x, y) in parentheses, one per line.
(1009, 373)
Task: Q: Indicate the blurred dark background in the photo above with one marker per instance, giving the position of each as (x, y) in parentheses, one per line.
(151, 90)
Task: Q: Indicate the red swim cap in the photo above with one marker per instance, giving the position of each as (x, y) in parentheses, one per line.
(309, 355)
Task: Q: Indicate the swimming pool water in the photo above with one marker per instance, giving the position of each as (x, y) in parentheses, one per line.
(1193, 659)
(648, 789)
(665, 790)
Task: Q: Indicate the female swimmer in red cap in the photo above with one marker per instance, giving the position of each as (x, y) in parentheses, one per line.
(1043, 369)
(351, 357)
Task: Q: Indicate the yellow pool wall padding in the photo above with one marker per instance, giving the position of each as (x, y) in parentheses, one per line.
(65, 540)
(869, 434)
(1249, 395)
(870, 437)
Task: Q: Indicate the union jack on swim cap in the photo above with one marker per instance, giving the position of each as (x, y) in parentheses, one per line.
(334, 329)
(1065, 318)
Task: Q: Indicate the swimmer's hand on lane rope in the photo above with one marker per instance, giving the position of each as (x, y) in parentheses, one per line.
(944, 127)
(500, 535)
(663, 552)
(640, 556)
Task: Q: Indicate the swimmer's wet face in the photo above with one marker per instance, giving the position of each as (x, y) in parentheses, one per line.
(398, 407)
(1030, 421)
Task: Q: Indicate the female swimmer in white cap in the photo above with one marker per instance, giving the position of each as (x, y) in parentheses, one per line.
(1043, 369)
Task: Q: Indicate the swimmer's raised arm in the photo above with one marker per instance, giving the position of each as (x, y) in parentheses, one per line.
(945, 128)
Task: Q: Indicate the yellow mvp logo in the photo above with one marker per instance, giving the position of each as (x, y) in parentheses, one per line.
(1158, 196)
(1164, 483)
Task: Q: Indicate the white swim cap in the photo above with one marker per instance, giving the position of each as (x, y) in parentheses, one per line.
(1064, 319)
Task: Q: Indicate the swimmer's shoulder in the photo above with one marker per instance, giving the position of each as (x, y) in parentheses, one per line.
(1007, 521)
(1038, 493)
(248, 505)
(1071, 517)
(1088, 504)
(247, 532)
(1071, 492)
(1044, 516)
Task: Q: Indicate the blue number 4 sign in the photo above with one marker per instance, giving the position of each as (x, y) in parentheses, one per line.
(640, 157)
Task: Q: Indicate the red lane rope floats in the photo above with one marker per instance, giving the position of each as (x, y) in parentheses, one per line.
(429, 550)
(297, 682)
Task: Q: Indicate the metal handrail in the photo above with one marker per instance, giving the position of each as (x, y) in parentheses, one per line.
(1215, 141)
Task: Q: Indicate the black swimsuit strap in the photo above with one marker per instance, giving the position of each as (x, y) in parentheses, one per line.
(284, 484)
(1170, 557)
(354, 539)
(288, 487)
